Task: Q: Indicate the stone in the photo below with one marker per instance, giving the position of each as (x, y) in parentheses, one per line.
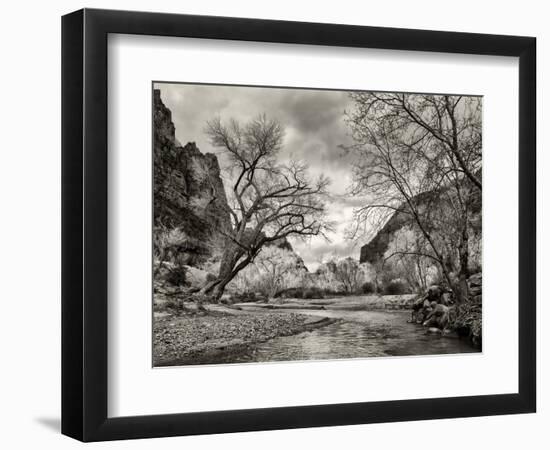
(438, 317)
(433, 330)
(449, 333)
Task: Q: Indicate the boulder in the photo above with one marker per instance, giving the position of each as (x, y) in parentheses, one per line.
(438, 317)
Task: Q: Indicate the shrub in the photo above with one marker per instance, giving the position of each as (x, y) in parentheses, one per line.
(368, 288)
(312, 292)
(169, 305)
(177, 276)
(247, 297)
(176, 246)
(466, 321)
(302, 293)
(395, 287)
(289, 293)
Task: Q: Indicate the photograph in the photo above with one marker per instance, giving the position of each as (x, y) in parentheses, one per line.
(294, 224)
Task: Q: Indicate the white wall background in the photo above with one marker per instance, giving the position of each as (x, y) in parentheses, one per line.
(30, 225)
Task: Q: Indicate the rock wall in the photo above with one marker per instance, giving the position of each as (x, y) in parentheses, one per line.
(374, 250)
(188, 189)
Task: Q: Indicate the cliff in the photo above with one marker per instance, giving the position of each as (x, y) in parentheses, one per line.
(188, 189)
(374, 250)
(377, 246)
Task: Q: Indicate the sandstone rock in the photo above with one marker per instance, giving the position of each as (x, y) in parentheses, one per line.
(188, 189)
(438, 317)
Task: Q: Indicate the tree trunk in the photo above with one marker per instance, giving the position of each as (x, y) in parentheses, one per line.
(214, 289)
(421, 275)
(439, 257)
(229, 268)
(463, 265)
(218, 289)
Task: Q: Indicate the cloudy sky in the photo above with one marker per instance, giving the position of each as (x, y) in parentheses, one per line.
(314, 128)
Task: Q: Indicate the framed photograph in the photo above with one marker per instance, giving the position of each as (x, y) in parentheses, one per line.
(273, 224)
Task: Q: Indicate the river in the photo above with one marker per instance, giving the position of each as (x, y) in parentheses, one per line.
(358, 334)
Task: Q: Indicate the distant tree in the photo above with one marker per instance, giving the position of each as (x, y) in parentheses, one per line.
(324, 276)
(272, 270)
(268, 200)
(406, 256)
(420, 155)
(276, 267)
(348, 272)
(274, 263)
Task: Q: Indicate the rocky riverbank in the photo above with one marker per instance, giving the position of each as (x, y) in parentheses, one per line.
(433, 310)
(193, 339)
(185, 335)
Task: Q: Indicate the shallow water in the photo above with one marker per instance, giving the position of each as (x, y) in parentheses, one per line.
(359, 334)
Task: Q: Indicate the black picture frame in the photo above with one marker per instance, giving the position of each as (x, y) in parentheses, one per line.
(84, 224)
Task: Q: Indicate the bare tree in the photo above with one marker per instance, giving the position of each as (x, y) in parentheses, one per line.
(166, 245)
(420, 156)
(268, 200)
(406, 254)
(274, 264)
(274, 269)
(349, 273)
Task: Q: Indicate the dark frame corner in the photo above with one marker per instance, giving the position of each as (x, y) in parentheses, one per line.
(84, 224)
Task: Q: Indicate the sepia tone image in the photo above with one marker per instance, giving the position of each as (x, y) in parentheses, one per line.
(303, 224)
